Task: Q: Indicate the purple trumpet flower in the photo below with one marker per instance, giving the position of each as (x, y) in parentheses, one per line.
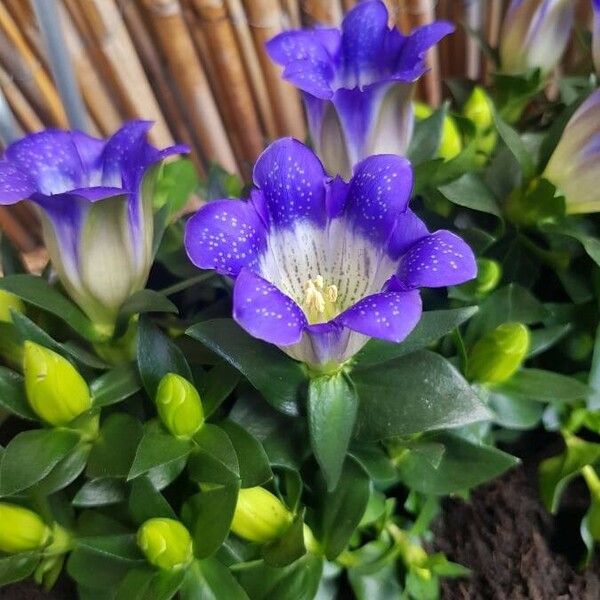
(95, 198)
(596, 36)
(357, 82)
(321, 265)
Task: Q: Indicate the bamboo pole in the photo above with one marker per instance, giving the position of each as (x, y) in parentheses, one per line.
(19, 104)
(323, 12)
(40, 76)
(253, 66)
(108, 31)
(265, 18)
(493, 25)
(473, 10)
(16, 232)
(9, 128)
(178, 48)
(291, 11)
(225, 54)
(97, 98)
(348, 4)
(22, 14)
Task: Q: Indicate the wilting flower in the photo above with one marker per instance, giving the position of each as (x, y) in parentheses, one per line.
(574, 167)
(357, 83)
(596, 36)
(321, 265)
(96, 209)
(535, 34)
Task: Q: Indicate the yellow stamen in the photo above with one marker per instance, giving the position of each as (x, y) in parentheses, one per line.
(319, 301)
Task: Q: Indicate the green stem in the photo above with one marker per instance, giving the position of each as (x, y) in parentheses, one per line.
(187, 283)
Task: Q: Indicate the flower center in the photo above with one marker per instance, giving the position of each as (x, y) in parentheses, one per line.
(319, 300)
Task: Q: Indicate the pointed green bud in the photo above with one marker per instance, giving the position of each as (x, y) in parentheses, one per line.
(21, 530)
(451, 141)
(9, 302)
(498, 354)
(179, 406)
(489, 273)
(480, 111)
(55, 390)
(166, 544)
(260, 516)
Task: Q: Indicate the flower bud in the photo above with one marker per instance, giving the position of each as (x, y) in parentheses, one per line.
(55, 390)
(479, 110)
(498, 354)
(166, 543)
(451, 142)
(179, 406)
(21, 530)
(489, 273)
(9, 302)
(260, 516)
(535, 34)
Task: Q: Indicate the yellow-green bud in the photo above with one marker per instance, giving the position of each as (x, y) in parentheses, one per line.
(479, 110)
(179, 406)
(489, 273)
(260, 516)
(21, 530)
(451, 142)
(55, 390)
(9, 302)
(166, 544)
(498, 354)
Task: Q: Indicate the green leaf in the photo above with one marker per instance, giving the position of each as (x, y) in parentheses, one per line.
(433, 325)
(341, 510)
(10, 260)
(17, 567)
(208, 516)
(176, 183)
(209, 579)
(418, 392)
(298, 581)
(288, 548)
(514, 413)
(116, 385)
(544, 386)
(100, 492)
(64, 473)
(276, 376)
(38, 292)
(120, 546)
(157, 448)
(143, 301)
(544, 338)
(471, 192)
(146, 502)
(215, 460)
(12, 395)
(30, 456)
(252, 458)
(556, 472)
(216, 386)
(332, 408)
(463, 465)
(136, 584)
(157, 355)
(96, 570)
(515, 144)
(426, 137)
(114, 451)
(569, 228)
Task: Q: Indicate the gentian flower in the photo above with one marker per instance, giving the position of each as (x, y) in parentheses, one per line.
(95, 198)
(574, 167)
(321, 265)
(596, 35)
(357, 82)
(535, 34)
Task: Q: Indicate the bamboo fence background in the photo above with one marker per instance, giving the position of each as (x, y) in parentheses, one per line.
(197, 68)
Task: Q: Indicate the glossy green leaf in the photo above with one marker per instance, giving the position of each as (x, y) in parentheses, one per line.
(214, 460)
(418, 392)
(157, 448)
(433, 325)
(146, 502)
(546, 337)
(216, 386)
(17, 566)
(100, 492)
(30, 456)
(12, 395)
(515, 144)
(115, 385)
(471, 192)
(157, 355)
(64, 473)
(209, 579)
(544, 386)
(332, 409)
(176, 183)
(288, 548)
(463, 465)
(270, 371)
(143, 301)
(426, 137)
(514, 413)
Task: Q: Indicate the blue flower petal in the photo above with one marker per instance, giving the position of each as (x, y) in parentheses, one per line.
(292, 180)
(388, 315)
(265, 312)
(225, 235)
(51, 160)
(310, 77)
(409, 230)
(15, 184)
(438, 260)
(379, 193)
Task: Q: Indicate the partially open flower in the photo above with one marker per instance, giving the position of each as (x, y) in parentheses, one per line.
(321, 265)
(21, 530)
(357, 82)
(166, 543)
(574, 167)
(95, 198)
(535, 34)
